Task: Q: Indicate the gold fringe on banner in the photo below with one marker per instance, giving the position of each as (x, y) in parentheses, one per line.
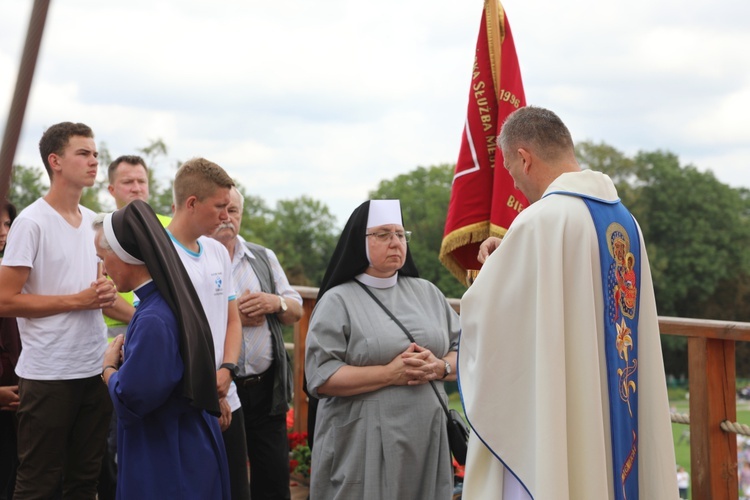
(473, 233)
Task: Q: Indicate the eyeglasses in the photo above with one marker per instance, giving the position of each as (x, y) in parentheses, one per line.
(403, 236)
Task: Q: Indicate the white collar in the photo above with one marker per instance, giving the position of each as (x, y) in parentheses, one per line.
(374, 282)
(240, 249)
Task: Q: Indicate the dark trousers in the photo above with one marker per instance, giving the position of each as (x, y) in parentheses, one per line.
(107, 489)
(8, 454)
(234, 443)
(62, 432)
(267, 442)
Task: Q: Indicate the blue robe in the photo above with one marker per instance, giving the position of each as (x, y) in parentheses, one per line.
(166, 447)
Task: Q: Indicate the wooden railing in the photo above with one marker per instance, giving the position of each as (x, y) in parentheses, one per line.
(711, 374)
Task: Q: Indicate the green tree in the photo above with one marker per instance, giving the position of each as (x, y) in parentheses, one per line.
(27, 185)
(695, 231)
(302, 232)
(621, 169)
(424, 194)
(160, 199)
(160, 196)
(256, 218)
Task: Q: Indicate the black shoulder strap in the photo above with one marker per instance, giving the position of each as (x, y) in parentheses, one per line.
(401, 325)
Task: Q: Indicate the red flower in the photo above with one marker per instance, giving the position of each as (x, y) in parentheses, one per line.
(290, 419)
(293, 465)
(296, 439)
(459, 469)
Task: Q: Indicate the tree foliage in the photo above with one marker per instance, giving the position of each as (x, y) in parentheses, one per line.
(302, 232)
(154, 153)
(27, 184)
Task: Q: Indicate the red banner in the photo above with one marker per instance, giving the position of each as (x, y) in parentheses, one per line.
(484, 200)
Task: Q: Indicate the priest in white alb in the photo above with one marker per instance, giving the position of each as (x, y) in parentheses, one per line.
(560, 364)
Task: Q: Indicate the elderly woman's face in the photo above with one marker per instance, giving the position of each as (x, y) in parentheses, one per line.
(113, 266)
(387, 251)
(4, 227)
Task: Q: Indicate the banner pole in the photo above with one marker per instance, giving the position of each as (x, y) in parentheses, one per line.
(21, 94)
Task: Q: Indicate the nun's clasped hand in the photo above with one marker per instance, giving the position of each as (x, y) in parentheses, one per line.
(421, 365)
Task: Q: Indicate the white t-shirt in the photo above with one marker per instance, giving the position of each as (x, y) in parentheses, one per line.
(210, 270)
(63, 261)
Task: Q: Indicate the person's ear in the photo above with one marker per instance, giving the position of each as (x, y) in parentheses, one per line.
(526, 158)
(54, 161)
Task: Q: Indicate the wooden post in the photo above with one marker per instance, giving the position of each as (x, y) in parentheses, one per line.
(300, 335)
(713, 452)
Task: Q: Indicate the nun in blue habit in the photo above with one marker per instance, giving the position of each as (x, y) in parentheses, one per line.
(161, 376)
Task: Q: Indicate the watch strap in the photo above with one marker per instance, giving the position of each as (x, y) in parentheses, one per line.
(447, 370)
(233, 369)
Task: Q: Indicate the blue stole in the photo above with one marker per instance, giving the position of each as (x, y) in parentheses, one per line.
(620, 260)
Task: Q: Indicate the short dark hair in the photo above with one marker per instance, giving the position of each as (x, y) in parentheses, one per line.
(538, 129)
(57, 137)
(131, 159)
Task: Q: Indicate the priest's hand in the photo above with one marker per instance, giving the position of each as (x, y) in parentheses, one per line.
(487, 247)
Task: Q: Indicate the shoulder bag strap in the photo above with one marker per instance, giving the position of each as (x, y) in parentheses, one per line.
(394, 318)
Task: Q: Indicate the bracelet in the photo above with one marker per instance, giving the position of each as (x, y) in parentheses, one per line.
(105, 369)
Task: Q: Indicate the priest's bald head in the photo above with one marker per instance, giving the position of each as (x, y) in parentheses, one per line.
(537, 148)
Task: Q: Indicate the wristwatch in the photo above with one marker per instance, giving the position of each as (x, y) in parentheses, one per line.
(283, 304)
(448, 369)
(234, 370)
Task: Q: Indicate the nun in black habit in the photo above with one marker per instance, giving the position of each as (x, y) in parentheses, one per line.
(164, 391)
(380, 432)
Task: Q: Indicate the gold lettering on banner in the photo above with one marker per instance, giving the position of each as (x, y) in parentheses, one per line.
(508, 96)
(491, 147)
(483, 104)
(515, 204)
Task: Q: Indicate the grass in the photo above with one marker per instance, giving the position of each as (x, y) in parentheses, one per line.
(680, 404)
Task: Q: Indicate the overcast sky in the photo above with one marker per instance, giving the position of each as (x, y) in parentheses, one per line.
(328, 98)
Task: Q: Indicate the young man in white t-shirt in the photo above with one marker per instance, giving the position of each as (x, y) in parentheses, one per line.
(49, 280)
(201, 197)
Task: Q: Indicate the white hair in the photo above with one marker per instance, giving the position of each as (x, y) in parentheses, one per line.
(98, 225)
(242, 198)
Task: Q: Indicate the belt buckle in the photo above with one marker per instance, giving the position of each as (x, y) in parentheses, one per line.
(252, 380)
